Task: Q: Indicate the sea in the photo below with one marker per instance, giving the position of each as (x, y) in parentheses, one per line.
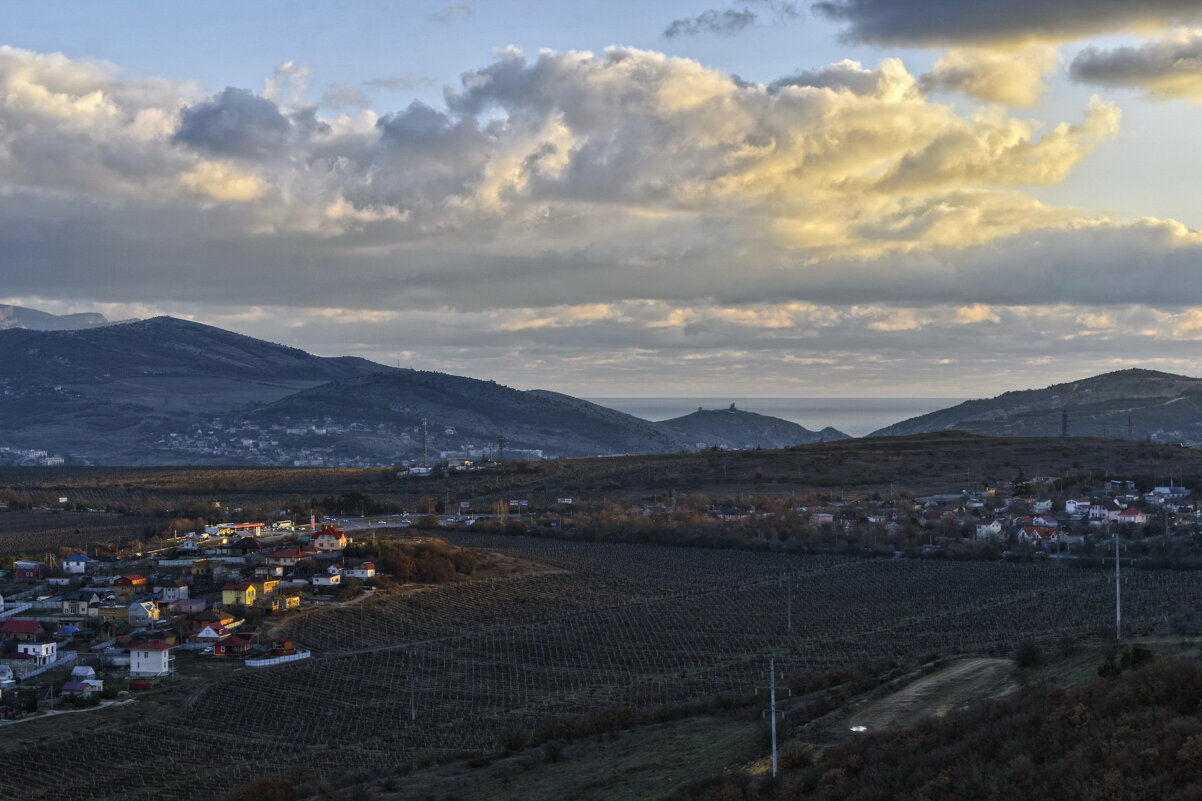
(854, 416)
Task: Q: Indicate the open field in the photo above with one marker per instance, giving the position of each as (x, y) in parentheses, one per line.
(37, 532)
(853, 468)
(450, 669)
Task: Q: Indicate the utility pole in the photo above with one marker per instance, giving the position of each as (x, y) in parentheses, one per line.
(1129, 434)
(1064, 423)
(1118, 597)
(772, 711)
(425, 450)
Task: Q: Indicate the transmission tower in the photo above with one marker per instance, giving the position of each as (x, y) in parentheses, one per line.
(425, 449)
(1064, 423)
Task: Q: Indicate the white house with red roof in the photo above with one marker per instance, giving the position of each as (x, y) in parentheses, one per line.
(151, 659)
(331, 539)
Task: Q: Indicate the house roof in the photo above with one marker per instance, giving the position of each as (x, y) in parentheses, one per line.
(131, 578)
(20, 627)
(78, 557)
(240, 586)
(157, 645)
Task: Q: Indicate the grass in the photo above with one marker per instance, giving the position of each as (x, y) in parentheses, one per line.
(637, 765)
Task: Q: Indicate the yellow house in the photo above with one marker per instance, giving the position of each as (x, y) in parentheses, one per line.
(266, 586)
(238, 593)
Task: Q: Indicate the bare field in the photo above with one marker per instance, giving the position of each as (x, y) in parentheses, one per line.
(853, 468)
(37, 532)
(451, 668)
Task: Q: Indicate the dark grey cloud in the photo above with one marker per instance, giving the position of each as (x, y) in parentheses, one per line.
(846, 75)
(1164, 68)
(730, 20)
(234, 123)
(940, 22)
(722, 21)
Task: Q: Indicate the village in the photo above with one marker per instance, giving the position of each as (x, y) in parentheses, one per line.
(84, 630)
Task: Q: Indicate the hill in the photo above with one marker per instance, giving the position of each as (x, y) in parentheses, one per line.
(165, 391)
(463, 414)
(21, 317)
(739, 430)
(1128, 404)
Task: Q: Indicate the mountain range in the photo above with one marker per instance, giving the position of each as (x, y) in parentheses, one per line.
(170, 391)
(1127, 404)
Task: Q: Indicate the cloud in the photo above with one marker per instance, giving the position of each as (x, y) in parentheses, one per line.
(288, 84)
(1165, 69)
(224, 182)
(344, 96)
(453, 12)
(577, 209)
(725, 21)
(721, 21)
(1010, 77)
(410, 81)
(234, 123)
(926, 23)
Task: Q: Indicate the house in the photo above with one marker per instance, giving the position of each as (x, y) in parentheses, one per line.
(1131, 515)
(1037, 534)
(1074, 506)
(989, 531)
(265, 586)
(246, 546)
(151, 659)
(326, 579)
(44, 652)
(78, 689)
(21, 630)
(234, 645)
(211, 633)
(113, 613)
(269, 571)
(238, 593)
(1046, 521)
(282, 648)
(129, 586)
(27, 570)
(81, 603)
(77, 563)
(330, 539)
(143, 613)
(214, 615)
(364, 571)
(171, 589)
(290, 557)
(186, 606)
(60, 579)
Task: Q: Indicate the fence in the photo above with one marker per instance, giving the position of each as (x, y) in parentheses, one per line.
(16, 610)
(63, 659)
(278, 660)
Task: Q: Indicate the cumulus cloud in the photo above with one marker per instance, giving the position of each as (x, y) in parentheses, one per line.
(1010, 77)
(572, 198)
(235, 123)
(1165, 69)
(730, 20)
(939, 22)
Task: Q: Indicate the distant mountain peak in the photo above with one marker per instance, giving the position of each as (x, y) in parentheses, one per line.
(37, 320)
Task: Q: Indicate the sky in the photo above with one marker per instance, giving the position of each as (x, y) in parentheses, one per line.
(760, 198)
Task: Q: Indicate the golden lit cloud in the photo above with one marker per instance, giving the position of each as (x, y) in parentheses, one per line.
(223, 182)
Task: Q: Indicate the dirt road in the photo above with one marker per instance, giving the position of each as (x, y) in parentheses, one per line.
(937, 694)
